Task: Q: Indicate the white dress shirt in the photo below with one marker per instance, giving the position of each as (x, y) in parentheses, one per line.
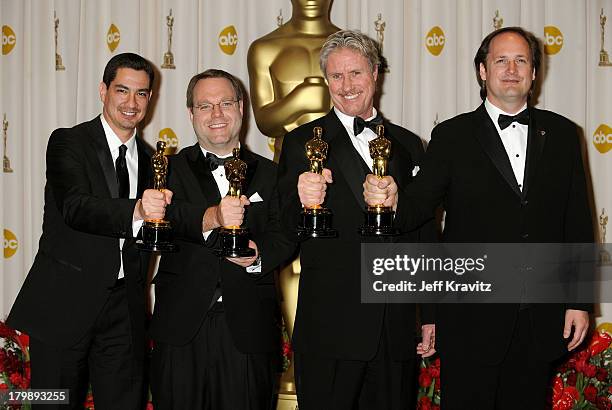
(223, 186)
(514, 139)
(131, 158)
(361, 141)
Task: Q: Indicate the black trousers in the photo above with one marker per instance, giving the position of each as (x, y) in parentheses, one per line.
(378, 384)
(209, 373)
(520, 381)
(105, 357)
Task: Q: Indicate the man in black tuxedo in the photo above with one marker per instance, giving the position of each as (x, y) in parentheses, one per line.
(83, 301)
(214, 322)
(348, 354)
(504, 173)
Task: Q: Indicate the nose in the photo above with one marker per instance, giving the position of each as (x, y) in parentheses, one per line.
(216, 111)
(131, 99)
(511, 66)
(347, 83)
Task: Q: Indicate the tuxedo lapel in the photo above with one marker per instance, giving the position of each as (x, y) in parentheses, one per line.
(203, 176)
(98, 140)
(536, 138)
(251, 161)
(400, 161)
(489, 139)
(144, 164)
(343, 158)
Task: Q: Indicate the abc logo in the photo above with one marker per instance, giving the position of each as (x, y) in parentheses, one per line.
(228, 39)
(602, 138)
(169, 137)
(113, 37)
(553, 40)
(10, 244)
(8, 39)
(434, 41)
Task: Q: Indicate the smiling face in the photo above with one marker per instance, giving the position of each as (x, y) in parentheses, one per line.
(352, 83)
(218, 130)
(509, 72)
(126, 101)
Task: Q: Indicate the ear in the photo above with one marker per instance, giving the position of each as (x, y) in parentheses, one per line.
(240, 105)
(150, 94)
(533, 75)
(375, 73)
(482, 70)
(103, 90)
(190, 113)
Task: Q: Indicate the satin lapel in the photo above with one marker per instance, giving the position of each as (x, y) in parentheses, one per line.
(489, 139)
(251, 161)
(343, 158)
(536, 138)
(98, 140)
(144, 167)
(203, 175)
(400, 162)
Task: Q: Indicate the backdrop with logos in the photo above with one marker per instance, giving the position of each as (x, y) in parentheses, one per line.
(54, 52)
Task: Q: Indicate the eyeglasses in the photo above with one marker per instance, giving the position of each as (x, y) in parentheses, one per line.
(223, 106)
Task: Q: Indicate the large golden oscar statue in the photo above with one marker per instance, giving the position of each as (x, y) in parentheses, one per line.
(287, 86)
(288, 90)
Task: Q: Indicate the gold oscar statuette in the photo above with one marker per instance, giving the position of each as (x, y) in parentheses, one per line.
(168, 56)
(235, 239)
(58, 58)
(379, 27)
(379, 218)
(604, 59)
(316, 220)
(6, 163)
(157, 233)
(498, 21)
(604, 255)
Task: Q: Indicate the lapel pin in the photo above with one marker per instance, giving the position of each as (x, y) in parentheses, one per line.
(542, 132)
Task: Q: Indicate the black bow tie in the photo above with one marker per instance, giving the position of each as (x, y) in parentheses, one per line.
(522, 117)
(359, 124)
(214, 161)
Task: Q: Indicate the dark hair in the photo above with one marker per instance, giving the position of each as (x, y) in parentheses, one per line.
(483, 51)
(357, 41)
(213, 73)
(127, 60)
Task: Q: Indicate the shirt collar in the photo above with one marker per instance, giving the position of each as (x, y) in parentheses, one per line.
(348, 120)
(205, 151)
(494, 111)
(113, 140)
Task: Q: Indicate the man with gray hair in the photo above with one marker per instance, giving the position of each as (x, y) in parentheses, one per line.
(348, 354)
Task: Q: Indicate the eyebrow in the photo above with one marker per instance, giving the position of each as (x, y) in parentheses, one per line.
(127, 88)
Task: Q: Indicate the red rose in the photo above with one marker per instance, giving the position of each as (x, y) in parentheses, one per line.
(6, 332)
(557, 388)
(24, 340)
(149, 406)
(425, 379)
(424, 403)
(602, 374)
(15, 379)
(590, 393)
(437, 384)
(600, 342)
(3, 386)
(435, 372)
(590, 370)
(567, 400)
(571, 379)
(603, 403)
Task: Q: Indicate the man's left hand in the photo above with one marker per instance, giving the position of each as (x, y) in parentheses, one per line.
(246, 261)
(380, 191)
(579, 320)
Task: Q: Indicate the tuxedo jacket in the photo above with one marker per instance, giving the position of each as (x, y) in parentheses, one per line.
(186, 280)
(78, 256)
(467, 170)
(331, 321)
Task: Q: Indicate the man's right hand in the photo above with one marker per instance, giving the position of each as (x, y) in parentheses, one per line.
(229, 212)
(311, 187)
(153, 204)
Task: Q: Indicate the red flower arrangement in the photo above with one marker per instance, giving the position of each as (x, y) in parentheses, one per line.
(14, 361)
(584, 380)
(429, 385)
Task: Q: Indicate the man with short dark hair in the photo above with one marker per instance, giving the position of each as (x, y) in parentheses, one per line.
(348, 354)
(215, 319)
(83, 301)
(504, 173)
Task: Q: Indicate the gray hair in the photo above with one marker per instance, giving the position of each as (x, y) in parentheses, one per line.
(357, 41)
